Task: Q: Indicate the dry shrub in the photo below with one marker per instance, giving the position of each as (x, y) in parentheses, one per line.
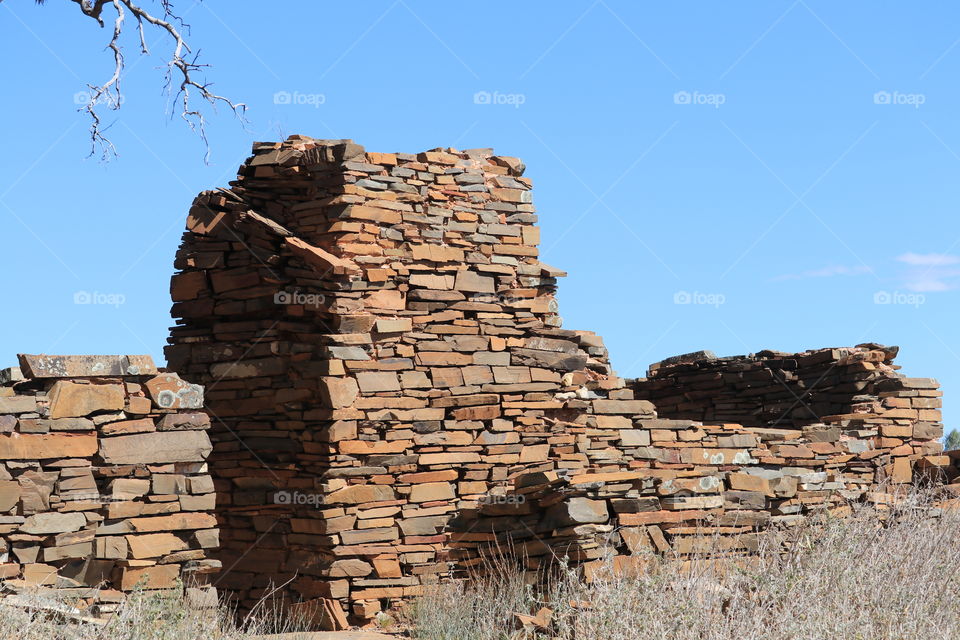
(848, 578)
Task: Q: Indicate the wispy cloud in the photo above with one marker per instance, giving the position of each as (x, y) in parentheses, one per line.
(930, 272)
(827, 272)
(929, 284)
(928, 259)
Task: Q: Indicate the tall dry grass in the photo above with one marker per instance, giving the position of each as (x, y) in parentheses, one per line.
(843, 578)
(143, 616)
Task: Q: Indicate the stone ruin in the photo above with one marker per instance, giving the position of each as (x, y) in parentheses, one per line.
(392, 393)
(389, 396)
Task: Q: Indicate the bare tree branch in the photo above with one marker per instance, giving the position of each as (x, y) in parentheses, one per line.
(182, 71)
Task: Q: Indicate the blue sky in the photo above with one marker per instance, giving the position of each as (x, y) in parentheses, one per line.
(725, 176)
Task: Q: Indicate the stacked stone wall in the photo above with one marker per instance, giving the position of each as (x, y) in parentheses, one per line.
(684, 487)
(789, 390)
(103, 481)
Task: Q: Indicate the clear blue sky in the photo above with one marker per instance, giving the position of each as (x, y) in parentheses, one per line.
(783, 166)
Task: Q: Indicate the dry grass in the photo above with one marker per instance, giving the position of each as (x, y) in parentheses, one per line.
(144, 616)
(845, 578)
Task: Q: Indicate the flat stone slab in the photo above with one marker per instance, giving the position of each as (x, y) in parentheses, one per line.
(686, 358)
(168, 391)
(53, 522)
(44, 446)
(76, 400)
(161, 447)
(45, 366)
(18, 404)
(10, 375)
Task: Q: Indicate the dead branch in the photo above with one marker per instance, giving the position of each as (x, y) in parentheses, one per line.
(182, 71)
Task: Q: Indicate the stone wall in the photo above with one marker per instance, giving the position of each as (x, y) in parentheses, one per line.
(790, 390)
(387, 375)
(380, 343)
(671, 484)
(103, 484)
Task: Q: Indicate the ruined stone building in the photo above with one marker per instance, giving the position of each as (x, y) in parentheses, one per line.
(390, 390)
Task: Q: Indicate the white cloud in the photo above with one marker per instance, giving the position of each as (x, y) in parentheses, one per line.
(917, 272)
(928, 259)
(932, 279)
(930, 272)
(927, 285)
